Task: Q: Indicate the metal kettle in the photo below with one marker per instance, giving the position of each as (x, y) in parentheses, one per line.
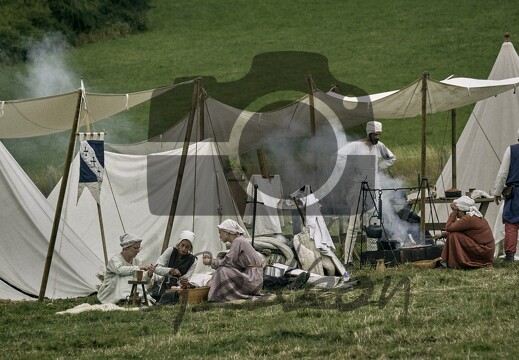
(373, 230)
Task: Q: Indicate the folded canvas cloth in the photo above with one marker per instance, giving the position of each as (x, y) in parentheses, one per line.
(266, 242)
(476, 194)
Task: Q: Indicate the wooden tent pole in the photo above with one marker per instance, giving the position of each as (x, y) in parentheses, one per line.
(311, 100)
(453, 155)
(102, 229)
(264, 169)
(254, 209)
(425, 77)
(201, 111)
(182, 165)
(61, 198)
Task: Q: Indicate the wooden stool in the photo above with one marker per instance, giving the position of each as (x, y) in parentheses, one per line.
(133, 298)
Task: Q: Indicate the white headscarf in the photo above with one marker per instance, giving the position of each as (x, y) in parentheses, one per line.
(187, 235)
(468, 205)
(128, 240)
(231, 227)
(373, 127)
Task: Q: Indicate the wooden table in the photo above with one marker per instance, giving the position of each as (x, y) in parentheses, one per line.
(483, 207)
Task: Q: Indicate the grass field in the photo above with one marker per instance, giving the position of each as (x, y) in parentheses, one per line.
(403, 313)
(375, 46)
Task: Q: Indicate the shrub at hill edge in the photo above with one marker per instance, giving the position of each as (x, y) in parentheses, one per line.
(24, 22)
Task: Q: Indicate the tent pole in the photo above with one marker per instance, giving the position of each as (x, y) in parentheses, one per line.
(254, 208)
(264, 169)
(102, 229)
(453, 155)
(425, 77)
(201, 111)
(61, 198)
(311, 100)
(182, 165)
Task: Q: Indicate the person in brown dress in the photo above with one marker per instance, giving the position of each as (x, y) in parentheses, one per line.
(469, 240)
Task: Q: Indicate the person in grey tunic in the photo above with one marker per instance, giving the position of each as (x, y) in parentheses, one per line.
(121, 268)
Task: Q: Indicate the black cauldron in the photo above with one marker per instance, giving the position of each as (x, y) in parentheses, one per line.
(388, 244)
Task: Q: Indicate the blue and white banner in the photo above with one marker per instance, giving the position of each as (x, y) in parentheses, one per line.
(91, 167)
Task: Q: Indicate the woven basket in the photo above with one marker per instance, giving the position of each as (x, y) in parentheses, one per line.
(194, 296)
(426, 264)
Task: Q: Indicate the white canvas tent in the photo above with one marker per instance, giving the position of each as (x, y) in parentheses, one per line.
(42, 116)
(53, 114)
(237, 131)
(138, 190)
(226, 124)
(441, 96)
(491, 128)
(26, 221)
(7, 292)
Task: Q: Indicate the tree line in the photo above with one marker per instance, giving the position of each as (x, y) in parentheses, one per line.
(25, 22)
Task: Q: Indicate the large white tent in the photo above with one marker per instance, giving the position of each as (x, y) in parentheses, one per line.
(491, 128)
(27, 218)
(136, 197)
(226, 124)
(237, 131)
(26, 223)
(53, 114)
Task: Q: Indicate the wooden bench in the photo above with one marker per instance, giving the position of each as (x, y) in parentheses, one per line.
(432, 226)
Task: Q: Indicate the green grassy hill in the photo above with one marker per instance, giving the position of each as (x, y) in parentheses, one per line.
(373, 46)
(402, 313)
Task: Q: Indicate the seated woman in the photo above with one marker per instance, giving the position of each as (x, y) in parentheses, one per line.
(120, 270)
(175, 265)
(239, 274)
(470, 243)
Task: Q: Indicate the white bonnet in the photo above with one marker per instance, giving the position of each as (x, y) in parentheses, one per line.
(128, 240)
(467, 205)
(231, 227)
(187, 235)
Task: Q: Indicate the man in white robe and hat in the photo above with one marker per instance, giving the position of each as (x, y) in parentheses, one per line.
(368, 148)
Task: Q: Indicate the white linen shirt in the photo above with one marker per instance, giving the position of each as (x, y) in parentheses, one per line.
(502, 174)
(115, 285)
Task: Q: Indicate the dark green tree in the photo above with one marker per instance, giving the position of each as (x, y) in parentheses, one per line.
(23, 22)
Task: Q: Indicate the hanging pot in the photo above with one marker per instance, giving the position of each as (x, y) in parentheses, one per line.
(373, 230)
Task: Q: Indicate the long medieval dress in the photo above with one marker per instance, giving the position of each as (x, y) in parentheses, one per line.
(238, 275)
(470, 243)
(171, 259)
(115, 285)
